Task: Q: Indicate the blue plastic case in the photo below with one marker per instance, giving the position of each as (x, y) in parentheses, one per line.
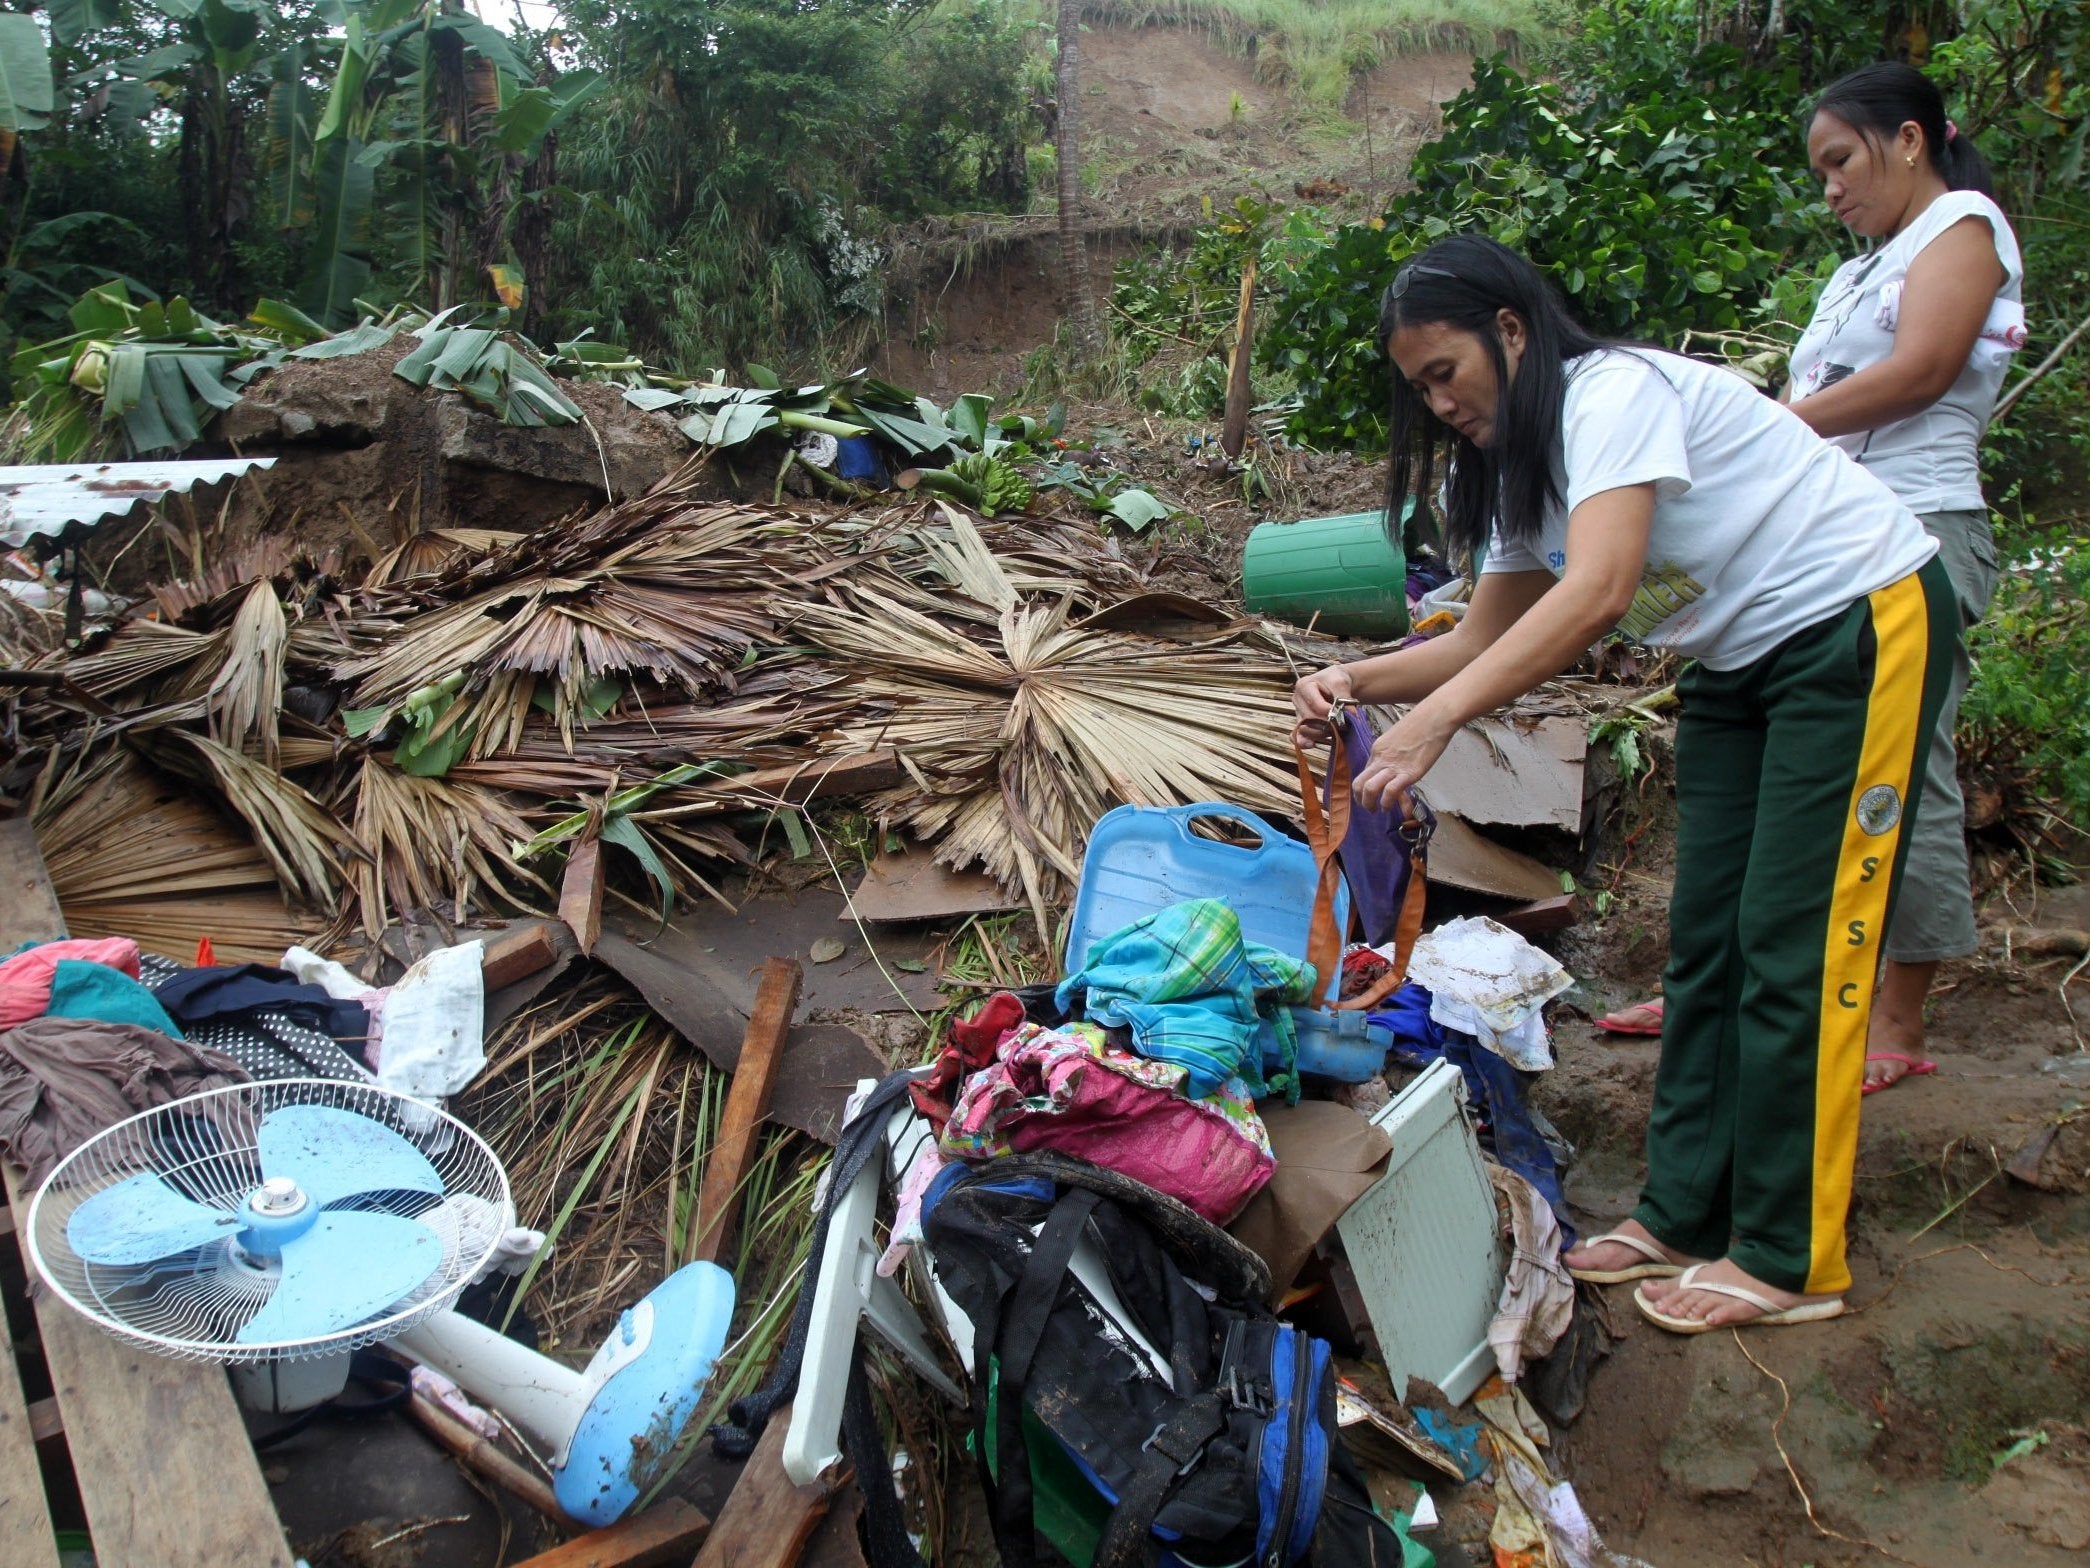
(1143, 858)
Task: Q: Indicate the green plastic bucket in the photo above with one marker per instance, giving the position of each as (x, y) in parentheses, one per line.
(1342, 575)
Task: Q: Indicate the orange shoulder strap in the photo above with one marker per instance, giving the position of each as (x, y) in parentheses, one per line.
(1325, 832)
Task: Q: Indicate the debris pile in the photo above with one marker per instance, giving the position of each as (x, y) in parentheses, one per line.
(418, 738)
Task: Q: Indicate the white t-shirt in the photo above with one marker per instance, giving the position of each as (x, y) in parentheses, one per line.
(1761, 528)
(1929, 458)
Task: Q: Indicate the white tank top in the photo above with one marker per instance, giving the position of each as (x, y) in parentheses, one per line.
(1929, 459)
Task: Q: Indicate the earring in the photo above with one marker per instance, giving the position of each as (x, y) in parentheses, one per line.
(1912, 162)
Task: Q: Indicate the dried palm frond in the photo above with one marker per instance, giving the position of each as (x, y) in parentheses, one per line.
(298, 834)
(270, 556)
(434, 551)
(152, 660)
(246, 698)
(651, 591)
(433, 842)
(132, 853)
(1016, 746)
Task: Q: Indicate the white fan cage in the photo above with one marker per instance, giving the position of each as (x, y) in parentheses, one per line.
(192, 1305)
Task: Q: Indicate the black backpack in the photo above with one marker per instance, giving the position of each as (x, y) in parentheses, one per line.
(1243, 1465)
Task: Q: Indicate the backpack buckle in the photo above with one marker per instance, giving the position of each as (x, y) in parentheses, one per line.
(1184, 1463)
(1246, 1394)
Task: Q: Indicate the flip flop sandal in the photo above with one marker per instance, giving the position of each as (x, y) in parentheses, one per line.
(1624, 1022)
(1772, 1315)
(1916, 1069)
(1656, 1267)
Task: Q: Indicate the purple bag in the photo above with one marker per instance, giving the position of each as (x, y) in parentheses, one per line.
(1378, 856)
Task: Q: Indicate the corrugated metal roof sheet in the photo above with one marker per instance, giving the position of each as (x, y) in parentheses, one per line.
(44, 500)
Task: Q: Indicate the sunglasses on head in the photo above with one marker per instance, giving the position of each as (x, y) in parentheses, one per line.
(1405, 278)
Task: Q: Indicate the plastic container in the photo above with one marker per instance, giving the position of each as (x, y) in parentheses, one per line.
(1342, 575)
(1142, 859)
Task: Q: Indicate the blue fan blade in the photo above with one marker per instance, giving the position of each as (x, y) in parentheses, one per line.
(334, 1154)
(141, 1220)
(347, 1267)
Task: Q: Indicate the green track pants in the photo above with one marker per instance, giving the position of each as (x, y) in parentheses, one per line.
(1794, 778)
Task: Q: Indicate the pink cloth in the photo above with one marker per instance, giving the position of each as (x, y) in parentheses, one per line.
(25, 979)
(1070, 1091)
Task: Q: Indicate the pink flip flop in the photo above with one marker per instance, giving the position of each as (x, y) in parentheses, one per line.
(1640, 1018)
(1916, 1069)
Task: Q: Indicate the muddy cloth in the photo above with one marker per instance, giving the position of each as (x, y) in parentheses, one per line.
(968, 1046)
(25, 975)
(1494, 1089)
(62, 1080)
(1538, 1296)
(270, 1042)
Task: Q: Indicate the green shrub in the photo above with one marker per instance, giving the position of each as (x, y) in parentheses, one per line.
(2029, 706)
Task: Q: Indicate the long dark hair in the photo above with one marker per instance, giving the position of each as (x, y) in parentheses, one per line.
(1464, 282)
(1877, 100)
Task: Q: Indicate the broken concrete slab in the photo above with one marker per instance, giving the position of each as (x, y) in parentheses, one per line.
(1463, 858)
(914, 885)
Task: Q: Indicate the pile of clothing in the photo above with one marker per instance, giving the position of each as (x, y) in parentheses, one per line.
(1148, 1060)
(94, 1031)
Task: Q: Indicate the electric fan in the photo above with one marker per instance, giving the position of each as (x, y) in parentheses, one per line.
(277, 1227)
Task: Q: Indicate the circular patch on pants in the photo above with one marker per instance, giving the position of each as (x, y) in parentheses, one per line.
(1879, 809)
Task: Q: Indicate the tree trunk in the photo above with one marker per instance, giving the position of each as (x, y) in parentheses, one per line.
(212, 169)
(1074, 250)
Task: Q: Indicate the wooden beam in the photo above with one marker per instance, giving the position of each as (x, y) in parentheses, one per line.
(516, 955)
(668, 1532)
(26, 1540)
(766, 1520)
(580, 893)
(747, 1102)
(45, 1422)
(151, 1501)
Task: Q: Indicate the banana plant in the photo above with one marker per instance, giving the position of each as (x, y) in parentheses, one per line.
(425, 102)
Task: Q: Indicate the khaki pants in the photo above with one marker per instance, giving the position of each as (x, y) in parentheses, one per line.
(1934, 912)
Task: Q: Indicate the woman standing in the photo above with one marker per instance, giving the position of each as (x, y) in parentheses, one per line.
(1900, 367)
(1636, 489)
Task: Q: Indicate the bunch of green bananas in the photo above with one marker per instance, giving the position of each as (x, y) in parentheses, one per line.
(1002, 487)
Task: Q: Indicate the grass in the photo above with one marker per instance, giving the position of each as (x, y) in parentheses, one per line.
(1316, 49)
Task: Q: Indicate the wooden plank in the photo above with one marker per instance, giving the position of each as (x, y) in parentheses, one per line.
(26, 1540)
(1546, 914)
(151, 1501)
(516, 955)
(747, 1102)
(580, 893)
(766, 1521)
(28, 908)
(668, 1532)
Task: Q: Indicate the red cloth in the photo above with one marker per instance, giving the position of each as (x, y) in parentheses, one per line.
(25, 979)
(968, 1045)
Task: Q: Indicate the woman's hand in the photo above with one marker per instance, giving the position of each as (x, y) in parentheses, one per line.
(1315, 698)
(1400, 758)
